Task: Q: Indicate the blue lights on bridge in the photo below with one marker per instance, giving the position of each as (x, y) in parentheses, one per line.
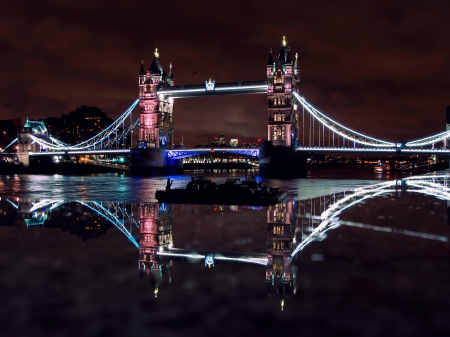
(184, 153)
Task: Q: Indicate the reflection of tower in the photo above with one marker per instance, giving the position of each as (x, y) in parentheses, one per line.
(155, 235)
(24, 207)
(282, 77)
(280, 238)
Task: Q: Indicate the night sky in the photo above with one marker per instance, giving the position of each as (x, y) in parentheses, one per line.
(379, 67)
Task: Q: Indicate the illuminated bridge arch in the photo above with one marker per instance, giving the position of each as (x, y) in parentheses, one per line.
(185, 153)
(359, 138)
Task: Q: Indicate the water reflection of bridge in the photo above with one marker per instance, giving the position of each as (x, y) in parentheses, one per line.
(291, 226)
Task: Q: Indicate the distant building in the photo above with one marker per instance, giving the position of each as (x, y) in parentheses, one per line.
(54, 125)
(222, 140)
(8, 131)
(234, 142)
(78, 125)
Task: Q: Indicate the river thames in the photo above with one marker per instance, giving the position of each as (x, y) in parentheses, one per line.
(349, 252)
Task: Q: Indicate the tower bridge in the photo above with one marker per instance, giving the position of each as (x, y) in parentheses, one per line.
(294, 126)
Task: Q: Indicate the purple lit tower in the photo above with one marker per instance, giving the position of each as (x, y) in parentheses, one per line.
(283, 76)
(278, 157)
(156, 122)
(156, 129)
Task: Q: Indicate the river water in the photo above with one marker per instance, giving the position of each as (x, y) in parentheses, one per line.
(349, 252)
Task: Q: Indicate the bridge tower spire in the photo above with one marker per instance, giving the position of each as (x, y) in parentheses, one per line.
(282, 78)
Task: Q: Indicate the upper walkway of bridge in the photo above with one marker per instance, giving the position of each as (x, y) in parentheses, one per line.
(210, 88)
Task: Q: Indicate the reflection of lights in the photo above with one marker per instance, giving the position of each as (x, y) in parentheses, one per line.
(417, 184)
(190, 255)
(95, 206)
(209, 260)
(395, 231)
(196, 256)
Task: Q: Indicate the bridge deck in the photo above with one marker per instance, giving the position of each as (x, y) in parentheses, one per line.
(253, 152)
(81, 152)
(371, 150)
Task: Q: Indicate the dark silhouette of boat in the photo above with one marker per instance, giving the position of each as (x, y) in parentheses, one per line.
(201, 190)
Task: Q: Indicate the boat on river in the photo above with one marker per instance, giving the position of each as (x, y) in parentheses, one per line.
(201, 190)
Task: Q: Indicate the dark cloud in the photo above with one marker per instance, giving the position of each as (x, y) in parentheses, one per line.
(379, 67)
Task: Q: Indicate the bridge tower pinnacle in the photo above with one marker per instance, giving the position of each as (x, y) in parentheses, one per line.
(283, 76)
(156, 118)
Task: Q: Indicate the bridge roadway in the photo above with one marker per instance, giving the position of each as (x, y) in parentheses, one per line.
(252, 152)
(171, 153)
(82, 152)
(371, 150)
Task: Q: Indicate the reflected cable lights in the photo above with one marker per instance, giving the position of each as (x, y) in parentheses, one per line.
(330, 219)
(154, 221)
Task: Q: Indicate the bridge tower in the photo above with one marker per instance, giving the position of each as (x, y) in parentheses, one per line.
(156, 114)
(156, 122)
(283, 76)
(278, 157)
(24, 141)
(24, 145)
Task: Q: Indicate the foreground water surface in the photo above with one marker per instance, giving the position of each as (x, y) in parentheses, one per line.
(347, 253)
